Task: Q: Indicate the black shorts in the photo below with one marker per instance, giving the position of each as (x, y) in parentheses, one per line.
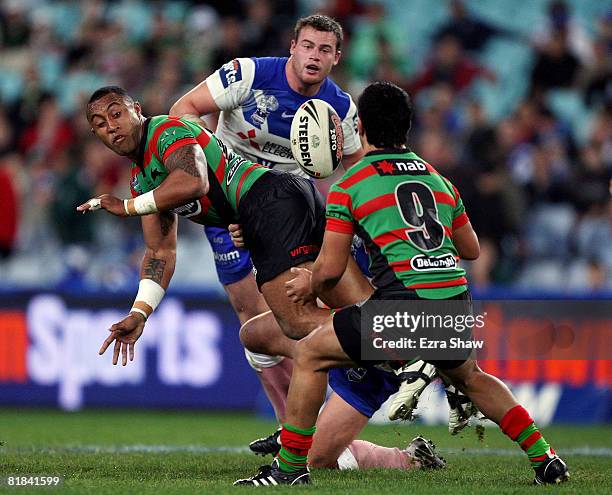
(347, 325)
(283, 222)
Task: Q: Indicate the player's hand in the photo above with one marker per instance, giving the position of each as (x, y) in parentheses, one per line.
(107, 202)
(298, 288)
(125, 334)
(236, 232)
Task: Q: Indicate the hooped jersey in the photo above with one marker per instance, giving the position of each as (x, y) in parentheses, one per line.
(258, 106)
(229, 175)
(406, 213)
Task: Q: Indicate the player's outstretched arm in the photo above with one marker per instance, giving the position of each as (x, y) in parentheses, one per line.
(466, 242)
(331, 262)
(157, 268)
(186, 182)
(160, 235)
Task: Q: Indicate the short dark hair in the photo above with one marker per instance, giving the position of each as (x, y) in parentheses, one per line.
(385, 111)
(105, 90)
(320, 23)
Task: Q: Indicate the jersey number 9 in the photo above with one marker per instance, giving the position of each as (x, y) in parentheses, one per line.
(418, 208)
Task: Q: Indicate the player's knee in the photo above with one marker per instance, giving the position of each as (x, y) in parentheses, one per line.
(306, 355)
(252, 335)
(246, 335)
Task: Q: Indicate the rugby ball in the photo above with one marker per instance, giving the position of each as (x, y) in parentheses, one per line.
(317, 139)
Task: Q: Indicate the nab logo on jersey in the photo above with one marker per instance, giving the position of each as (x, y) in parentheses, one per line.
(230, 73)
(400, 167)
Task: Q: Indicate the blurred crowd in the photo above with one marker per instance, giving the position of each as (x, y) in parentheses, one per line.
(518, 114)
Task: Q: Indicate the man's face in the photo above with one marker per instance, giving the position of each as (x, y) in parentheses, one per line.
(116, 121)
(314, 54)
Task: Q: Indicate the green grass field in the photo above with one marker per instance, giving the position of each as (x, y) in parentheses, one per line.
(152, 452)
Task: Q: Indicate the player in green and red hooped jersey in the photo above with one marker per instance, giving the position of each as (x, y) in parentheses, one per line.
(116, 119)
(182, 168)
(428, 225)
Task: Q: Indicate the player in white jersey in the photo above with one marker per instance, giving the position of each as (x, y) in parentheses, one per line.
(257, 99)
(257, 106)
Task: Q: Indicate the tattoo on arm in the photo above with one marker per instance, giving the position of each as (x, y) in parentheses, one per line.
(189, 158)
(154, 269)
(166, 221)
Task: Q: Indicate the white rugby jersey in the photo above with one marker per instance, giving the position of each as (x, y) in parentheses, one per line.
(258, 106)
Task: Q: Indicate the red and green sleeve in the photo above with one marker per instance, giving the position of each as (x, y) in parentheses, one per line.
(170, 136)
(460, 217)
(165, 135)
(339, 211)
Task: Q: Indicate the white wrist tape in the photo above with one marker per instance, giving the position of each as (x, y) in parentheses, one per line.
(141, 311)
(145, 204)
(94, 204)
(149, 296)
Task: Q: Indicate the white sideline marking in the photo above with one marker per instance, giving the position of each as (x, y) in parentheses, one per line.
(574, 451)
(134, 449)
(204, 449)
